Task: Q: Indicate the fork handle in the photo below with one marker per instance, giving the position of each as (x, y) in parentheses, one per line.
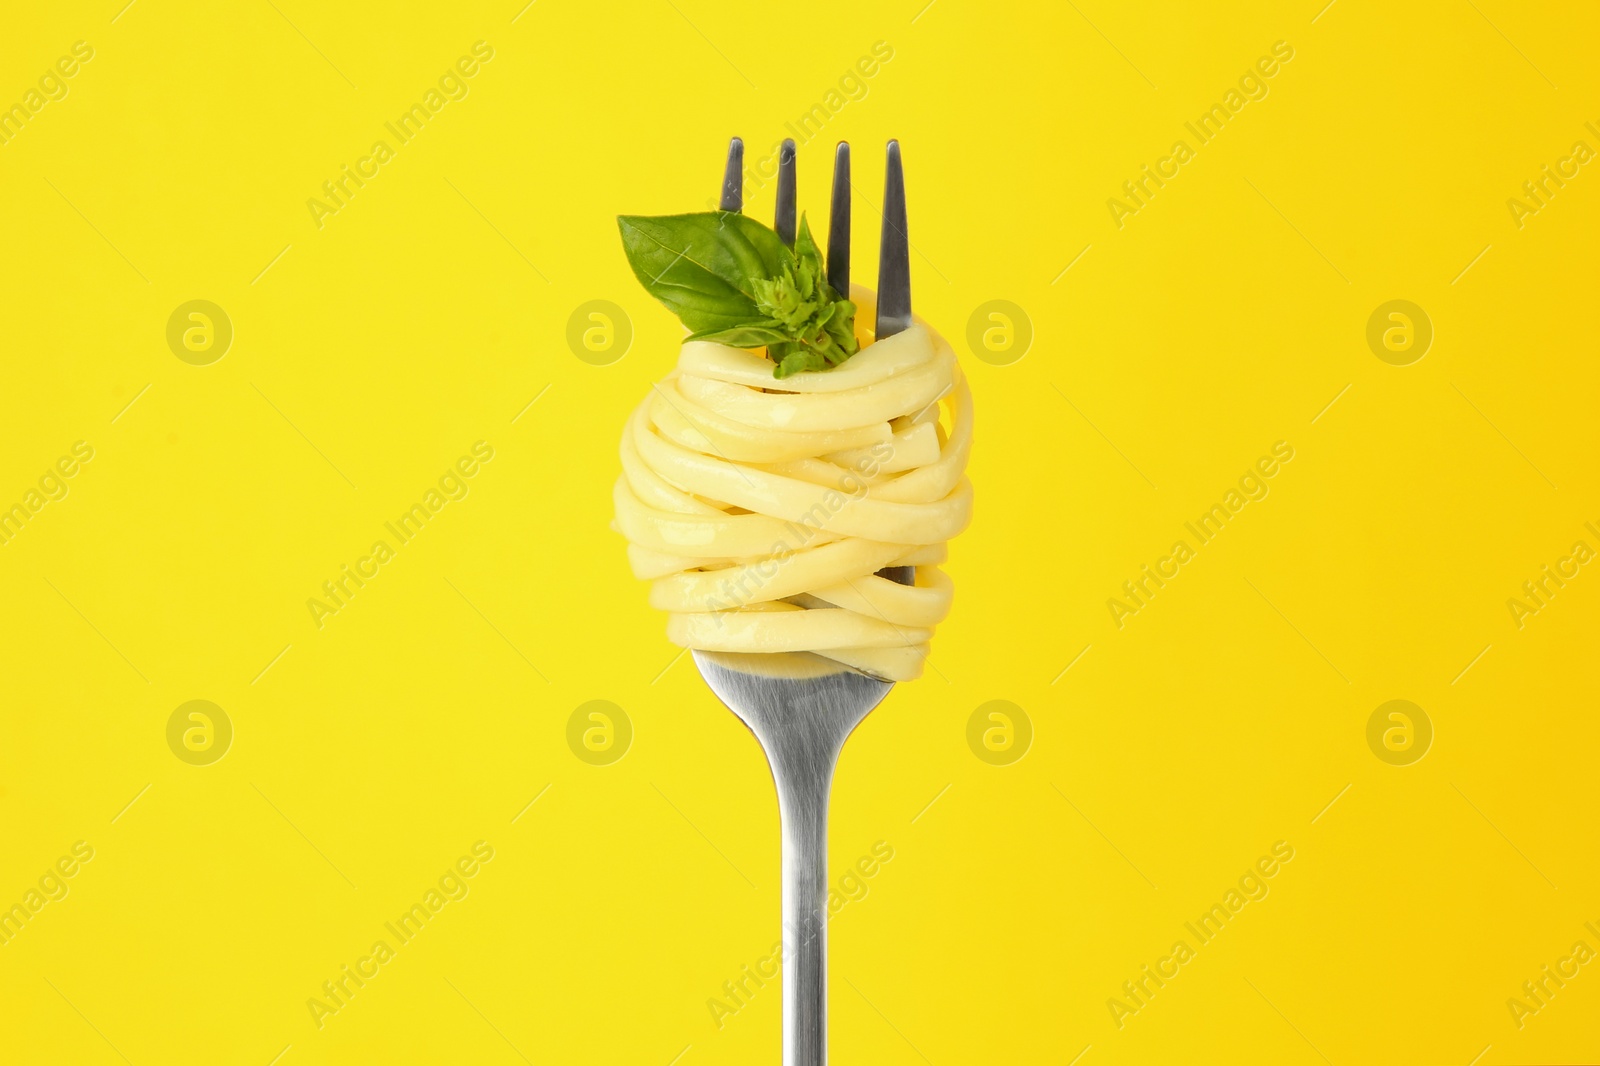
(803, 807)
(802, 722)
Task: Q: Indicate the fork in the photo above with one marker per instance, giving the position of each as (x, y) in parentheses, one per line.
(802, 707)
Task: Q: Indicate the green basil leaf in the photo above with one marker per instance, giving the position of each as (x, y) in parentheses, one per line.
(750, 335)
(730, 279)
(806, 251)
(701, 266)
(799, 360)
(772, 256)
(841, 326)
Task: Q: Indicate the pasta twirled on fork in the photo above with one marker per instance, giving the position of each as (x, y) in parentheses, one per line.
(761, 510)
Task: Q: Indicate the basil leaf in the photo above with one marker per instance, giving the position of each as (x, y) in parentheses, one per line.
(799, 360)
(731, 279)
(763, 241)
(751, 335)
(702, 265)
(841, 326)
(806, 251)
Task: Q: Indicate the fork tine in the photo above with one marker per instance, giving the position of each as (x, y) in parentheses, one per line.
(894, 254)
(894, 285)
(839, 223)
(784, 218)
(733, 177)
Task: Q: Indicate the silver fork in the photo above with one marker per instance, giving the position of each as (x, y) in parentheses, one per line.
(803, 707)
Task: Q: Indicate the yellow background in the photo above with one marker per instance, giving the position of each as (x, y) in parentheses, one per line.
(1225, 716)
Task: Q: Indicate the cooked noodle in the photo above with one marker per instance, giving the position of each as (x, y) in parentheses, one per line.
(761, 510)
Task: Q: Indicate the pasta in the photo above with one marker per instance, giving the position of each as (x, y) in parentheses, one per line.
(761, 510)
